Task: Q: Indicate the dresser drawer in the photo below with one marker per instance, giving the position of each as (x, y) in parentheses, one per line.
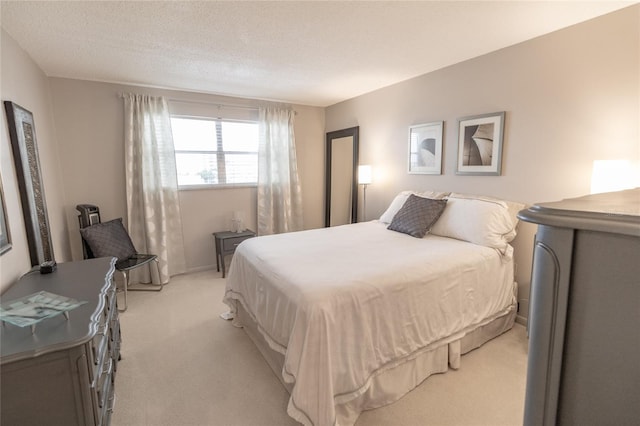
(105, 344)
(107, 409)
(104, 384)
(103, 395)
(99, 352)
(114, 343)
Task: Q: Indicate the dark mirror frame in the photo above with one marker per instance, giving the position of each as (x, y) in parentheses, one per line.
(330, 137)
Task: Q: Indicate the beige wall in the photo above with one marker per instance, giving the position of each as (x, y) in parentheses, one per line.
(79, 126)
(570, 97)
(89, 123)
(26, 85)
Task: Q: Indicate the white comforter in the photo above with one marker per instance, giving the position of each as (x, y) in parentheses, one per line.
(345, 303)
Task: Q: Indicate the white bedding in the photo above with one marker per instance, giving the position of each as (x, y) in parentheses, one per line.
(343, 304)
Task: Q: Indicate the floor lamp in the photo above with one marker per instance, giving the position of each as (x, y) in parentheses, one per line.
(364, 179)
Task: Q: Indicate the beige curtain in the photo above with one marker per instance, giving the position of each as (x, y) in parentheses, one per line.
(279, 194)
(153, 210)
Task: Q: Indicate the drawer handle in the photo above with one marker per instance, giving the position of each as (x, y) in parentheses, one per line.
(112, 403)
(106, 366)
(103, 332)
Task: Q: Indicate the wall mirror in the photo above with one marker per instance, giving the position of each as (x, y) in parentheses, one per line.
(341, 186)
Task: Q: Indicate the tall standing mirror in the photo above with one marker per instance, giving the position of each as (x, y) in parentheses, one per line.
(341, 187)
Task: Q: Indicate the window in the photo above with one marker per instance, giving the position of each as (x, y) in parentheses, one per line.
(215, 151)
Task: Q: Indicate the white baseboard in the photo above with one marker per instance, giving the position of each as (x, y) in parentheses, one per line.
(201, 269)
(521, 320)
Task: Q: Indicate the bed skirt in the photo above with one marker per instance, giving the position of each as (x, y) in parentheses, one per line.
(391, 383)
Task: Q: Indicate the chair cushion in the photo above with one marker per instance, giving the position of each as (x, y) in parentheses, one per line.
(134, 261)
(109, 239)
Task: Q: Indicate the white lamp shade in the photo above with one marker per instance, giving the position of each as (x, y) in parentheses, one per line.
(364, 174)
(611, 175)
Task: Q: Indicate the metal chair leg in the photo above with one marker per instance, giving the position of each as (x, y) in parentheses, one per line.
(153, 287)
(126, 289)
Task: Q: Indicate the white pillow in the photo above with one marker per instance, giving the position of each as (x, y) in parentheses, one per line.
(513, 206)
(479, 220)
(434, 195)
(395, 206)
(401, 198)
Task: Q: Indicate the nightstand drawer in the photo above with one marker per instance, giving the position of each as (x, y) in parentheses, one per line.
(230, 244)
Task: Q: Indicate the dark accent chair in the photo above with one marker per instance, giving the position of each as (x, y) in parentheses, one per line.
(111, 239)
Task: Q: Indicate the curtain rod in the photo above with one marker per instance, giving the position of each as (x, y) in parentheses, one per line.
(218, 104)
(222, 105)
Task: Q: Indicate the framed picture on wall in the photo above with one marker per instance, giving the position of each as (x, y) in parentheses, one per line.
(5, 235)
(22, 132)
(480, 144)
(425, 148)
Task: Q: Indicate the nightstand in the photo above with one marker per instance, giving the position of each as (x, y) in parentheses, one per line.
(226, 243)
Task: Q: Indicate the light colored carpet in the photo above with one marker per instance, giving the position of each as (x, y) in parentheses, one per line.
(183, 365)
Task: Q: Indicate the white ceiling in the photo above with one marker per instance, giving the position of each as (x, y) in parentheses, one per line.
(304, 52)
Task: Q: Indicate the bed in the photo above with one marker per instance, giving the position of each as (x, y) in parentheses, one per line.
(355, 316)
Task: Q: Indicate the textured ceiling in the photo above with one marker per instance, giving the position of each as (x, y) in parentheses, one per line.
(304, 52)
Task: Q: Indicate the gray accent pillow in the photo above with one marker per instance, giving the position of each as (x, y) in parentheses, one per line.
(109, 239)
(417, 215)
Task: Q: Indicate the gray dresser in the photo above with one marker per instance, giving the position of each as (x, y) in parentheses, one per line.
(584, 324)
(63, 373)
